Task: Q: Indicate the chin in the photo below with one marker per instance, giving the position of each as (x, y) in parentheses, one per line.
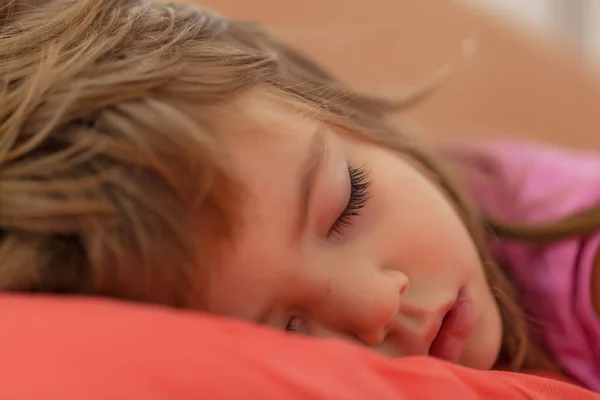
(483, 349)
(482, 360)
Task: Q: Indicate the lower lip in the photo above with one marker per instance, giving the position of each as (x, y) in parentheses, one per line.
(455, 330)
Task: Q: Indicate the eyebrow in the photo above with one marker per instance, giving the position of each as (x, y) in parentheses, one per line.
(309, 170)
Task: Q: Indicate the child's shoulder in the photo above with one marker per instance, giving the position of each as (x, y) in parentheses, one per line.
(527, 181)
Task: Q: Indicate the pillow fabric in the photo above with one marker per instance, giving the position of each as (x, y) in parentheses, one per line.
(81, 348)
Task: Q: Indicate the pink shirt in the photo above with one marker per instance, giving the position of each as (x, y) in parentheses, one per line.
(540, 183)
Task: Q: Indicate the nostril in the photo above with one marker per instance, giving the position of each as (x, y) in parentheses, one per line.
(402, 281)
(404, 289)
(399, 279)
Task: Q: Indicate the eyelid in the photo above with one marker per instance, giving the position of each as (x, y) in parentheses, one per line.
(312, 172)
(331, 186)
(358, 197)
(303, 328)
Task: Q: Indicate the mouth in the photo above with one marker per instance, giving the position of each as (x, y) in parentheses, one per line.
(454, 330)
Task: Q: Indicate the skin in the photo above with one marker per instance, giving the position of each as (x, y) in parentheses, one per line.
(385, 281)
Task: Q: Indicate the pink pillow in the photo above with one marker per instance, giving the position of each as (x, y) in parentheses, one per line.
(77, 348)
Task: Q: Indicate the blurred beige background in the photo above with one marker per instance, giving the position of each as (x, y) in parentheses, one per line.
(519, 83)
(575, 21)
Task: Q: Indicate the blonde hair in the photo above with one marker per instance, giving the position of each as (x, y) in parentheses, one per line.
(108, 161)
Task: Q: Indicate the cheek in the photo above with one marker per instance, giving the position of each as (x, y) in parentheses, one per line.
(417, 224)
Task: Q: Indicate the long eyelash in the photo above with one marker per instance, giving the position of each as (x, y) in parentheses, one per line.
(359, 195)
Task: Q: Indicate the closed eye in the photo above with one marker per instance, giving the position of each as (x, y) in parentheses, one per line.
(359, 196)
(296, 325)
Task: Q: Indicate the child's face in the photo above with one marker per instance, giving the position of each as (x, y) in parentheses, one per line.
(385, 278)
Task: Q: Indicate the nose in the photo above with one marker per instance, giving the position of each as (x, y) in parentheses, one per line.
(362, 306)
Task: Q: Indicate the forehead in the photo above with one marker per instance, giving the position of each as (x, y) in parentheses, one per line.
(268, 140)
(259, 117)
